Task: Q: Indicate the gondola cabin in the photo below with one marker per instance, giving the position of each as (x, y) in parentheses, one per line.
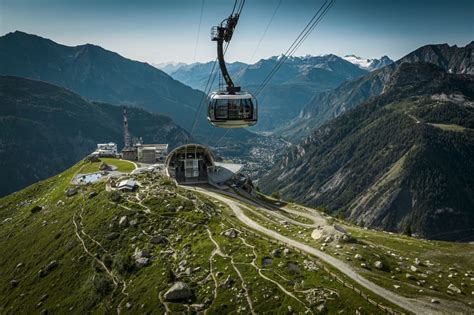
(235, 110)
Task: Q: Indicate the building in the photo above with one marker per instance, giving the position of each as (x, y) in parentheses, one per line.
(127, 185)
(152, 153)
(195, 164)
(129, 154)
(106, 150)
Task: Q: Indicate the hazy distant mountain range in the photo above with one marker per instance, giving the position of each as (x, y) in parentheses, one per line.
(400, 154)
(369, 64)
(295, 84)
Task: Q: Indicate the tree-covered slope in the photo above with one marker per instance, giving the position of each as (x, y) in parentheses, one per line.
(46, 129)
(402, 161)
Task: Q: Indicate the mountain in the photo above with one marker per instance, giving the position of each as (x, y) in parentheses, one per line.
(369, 64)
(90, 249)
(168, 67)
(401, 161)
(104, 76)
(98, 75)
(327, 105)
(296, 82)
(46, 129)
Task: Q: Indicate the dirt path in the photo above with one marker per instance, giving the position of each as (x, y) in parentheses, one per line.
(412, 305)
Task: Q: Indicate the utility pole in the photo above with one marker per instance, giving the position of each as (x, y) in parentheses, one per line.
(126, 135)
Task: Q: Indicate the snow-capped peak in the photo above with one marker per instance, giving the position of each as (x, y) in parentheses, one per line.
(368, 64)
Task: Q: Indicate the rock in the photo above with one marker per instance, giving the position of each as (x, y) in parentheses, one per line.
(104, 167)
(434, 301)
(396, 286)
(413, 268)
(112, 236)
(230, 233)
(51, 266)
(133, 223)
(115, 196)
(70, 192)
(321, 309)
(180, 208)
(286, 252)
(142, 262)
(92, 194)
(228, 282)
(358, 256)
(178, 291)
(139, 253)
(128, 305)
(123, 222)
(14, 283)
(364, 265)
(44, 297)
(157, 239)
(418, 262)
(36, 209)
(454, 289)
(379, 265)
(410, 276)
(276, 252)
(7, 220)
(133, 239)
(219, 274)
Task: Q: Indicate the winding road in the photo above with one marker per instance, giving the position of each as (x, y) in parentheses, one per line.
(411, 305)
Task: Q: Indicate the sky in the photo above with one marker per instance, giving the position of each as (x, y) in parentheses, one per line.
(158, 31)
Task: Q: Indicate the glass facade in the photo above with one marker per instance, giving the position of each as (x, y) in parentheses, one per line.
(232, 109)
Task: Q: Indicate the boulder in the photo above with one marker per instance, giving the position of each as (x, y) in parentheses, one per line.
(410, 276)
(51, 266)
(454, 288)
(379, 265)
(123, 222)
(92, 194)
(133, 223)
(36, 209)
(358, 256)
(286, 252)
(157, 239)
(178, 291)
(276, 252)
(413, 268)
(112, 236)
(230, 233)
(142, 262)
(104, 167)
(70, 192)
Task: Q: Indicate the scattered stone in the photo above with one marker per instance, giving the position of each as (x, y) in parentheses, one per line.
(228, 282)
(286, 252)
(454, 289)
(133, 223)
(115, 196)
(44, 297)
(358, 256)
(230, 233)
(92, 194)
(51, 266)
(178, 291)
(396, 286)
(413, 268)
(379, 265)
(123, 222)
(434, 301)
(410, 276)
(7, 220)
(36, 209)
(14, 283)
(157, 239)
(70, 192)
(180, 208)
(364, 265)
(128, 305)
(142, 262)
(276, 252)
(112, 236)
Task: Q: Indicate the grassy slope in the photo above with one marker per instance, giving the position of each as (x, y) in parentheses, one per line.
(80, 284)
(122, 165)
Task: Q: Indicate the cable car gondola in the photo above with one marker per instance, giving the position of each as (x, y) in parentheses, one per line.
(229, 108)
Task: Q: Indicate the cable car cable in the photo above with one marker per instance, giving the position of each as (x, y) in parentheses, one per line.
(198, 31)
(317, 17)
